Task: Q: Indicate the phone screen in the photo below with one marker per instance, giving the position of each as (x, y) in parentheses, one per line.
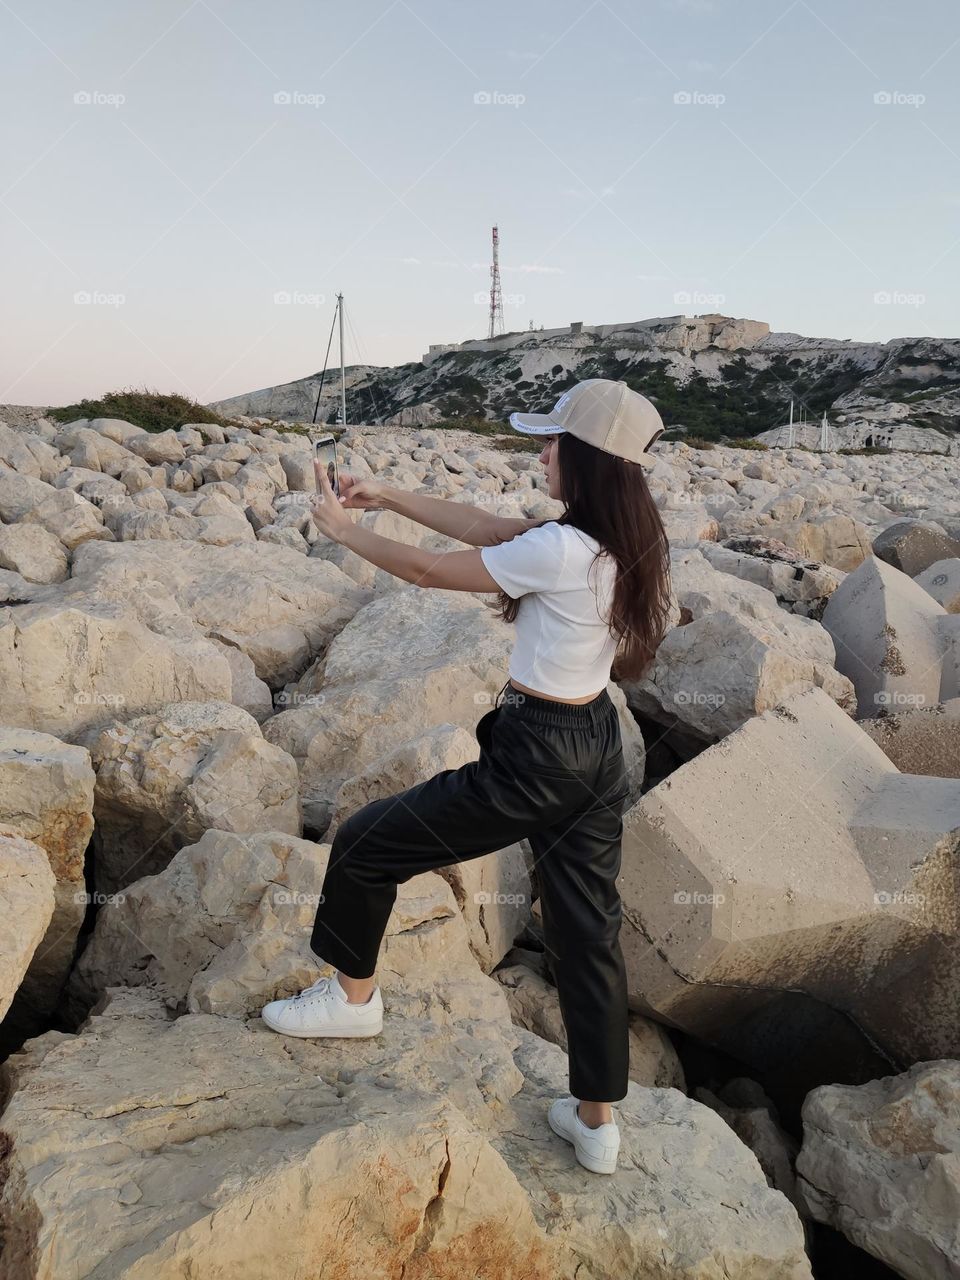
(325, 452)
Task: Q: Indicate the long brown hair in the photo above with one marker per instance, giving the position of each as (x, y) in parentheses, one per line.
(608, 498)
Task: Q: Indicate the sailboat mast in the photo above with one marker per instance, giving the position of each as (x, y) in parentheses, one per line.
(343, 383)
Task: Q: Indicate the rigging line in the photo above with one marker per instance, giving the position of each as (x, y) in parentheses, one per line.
(323, 373)
(356, 342)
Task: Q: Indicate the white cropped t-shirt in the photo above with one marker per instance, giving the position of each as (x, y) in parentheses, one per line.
(563, 646)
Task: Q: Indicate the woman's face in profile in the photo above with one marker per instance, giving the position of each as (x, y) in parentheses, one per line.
(548, 457)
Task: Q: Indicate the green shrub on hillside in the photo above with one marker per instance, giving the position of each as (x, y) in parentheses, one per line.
(870, 449)
(148, 409)
(747, 443)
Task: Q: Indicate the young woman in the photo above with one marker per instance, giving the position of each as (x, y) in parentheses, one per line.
(584, 590)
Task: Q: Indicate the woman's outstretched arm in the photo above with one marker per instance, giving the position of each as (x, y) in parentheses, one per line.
(460, 520)
(451, 570)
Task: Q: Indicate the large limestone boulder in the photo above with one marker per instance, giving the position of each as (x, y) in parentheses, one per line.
(881, 1163)
(46, 796)
(423, 1151)
(886, 631)
(735, 654)
(33, 552)
(32, 453)
(21, 493)
(15, 455)
(70, 518)
(689, 526)
(27, 900)
(914, 545)
(66, 671)
(272, 603)
(792, 860)
(159, 526)
(799, 584)
(226, 928)
(166, 778)
(834, 539)
(116, 429)
(713, 674)
(157, 447)
(96, 451)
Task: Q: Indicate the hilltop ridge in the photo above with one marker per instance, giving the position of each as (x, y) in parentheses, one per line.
(711, 375)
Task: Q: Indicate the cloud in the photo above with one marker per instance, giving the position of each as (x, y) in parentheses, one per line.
(535, 268)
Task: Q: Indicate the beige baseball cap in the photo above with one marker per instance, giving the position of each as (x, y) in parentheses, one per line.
(603, 413)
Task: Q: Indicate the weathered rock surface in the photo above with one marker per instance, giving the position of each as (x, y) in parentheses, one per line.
(924, 740)
(46, 796)
(231, 1146)
(753, 1118)
(273, 604)
(36, 554)
(27, 888)
(913, 545)
(165, 779)
(226, 928)
(815, 868)
(734, 654)
(886, 630)
(942, 581)
(881, 1163)
(66, 671)
(799, 584)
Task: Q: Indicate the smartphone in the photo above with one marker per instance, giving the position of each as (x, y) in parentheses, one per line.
(325, 452)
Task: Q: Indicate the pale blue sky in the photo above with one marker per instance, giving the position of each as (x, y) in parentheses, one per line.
(182, 199)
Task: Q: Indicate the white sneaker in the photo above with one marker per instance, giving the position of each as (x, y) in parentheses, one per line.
(324, 1010)
(596, 1149)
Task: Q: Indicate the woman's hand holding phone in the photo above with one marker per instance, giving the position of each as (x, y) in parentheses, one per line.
(361, 493)
(325, 507)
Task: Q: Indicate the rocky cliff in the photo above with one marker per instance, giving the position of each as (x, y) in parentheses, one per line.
(710, 376)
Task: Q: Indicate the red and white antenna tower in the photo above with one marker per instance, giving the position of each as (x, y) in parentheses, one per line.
(496, 298)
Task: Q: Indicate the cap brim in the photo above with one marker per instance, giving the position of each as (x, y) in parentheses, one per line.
(535, 424)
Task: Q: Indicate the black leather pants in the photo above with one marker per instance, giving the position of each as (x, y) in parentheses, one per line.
(548, 771)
